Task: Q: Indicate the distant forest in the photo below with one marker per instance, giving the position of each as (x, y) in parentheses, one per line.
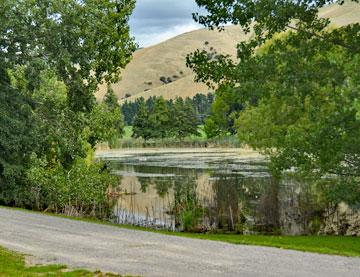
(200, 103)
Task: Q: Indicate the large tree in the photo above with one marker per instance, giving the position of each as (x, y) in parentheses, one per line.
(299, 89)
(86, 42)
(184, 120)
(141, 125)
(16, 135)
(159, 118)
(53, 56)
(264, 19)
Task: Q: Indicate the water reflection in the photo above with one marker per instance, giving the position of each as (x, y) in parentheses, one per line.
(208, 191)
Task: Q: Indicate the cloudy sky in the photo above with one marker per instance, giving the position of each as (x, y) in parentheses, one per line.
(154, 21)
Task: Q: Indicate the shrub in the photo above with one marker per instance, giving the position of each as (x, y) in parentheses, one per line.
(163, 79)
(76, 191)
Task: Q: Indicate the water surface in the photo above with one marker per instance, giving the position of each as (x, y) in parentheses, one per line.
(203, 189)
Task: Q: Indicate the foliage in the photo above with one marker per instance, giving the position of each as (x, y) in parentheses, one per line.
(299, 89)
(184, 119)
(58, 177)
(53, 56)
(308, 115)
(105, 124)
(264, 19)
(110, 99)
(16, 136)
(57, 127)
(80, 190)
(224, 111)
(129, 110)
(85, 43)
(142, 126)
(160, 118)
(201, 104)
(187, 208)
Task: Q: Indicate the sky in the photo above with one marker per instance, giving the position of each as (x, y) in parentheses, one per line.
(154, 21)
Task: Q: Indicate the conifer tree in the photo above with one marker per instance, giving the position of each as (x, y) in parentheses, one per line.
(111, 100)
(141, 127)
(159, 118)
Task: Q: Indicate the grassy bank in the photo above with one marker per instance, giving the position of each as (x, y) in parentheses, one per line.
(200, 141)
(13, 264)
(332, 245)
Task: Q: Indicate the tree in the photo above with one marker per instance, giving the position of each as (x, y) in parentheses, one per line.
(104, 124)
(184, 121)
(56, 53)
(309, 114)
(129, 110)
(299, 90)
(59, 139)
(112, 115)
(141, 126)
(159, 118)
(224, 110)
(150, 102)
(16, 136)
(268, 19)
(191, 122)
(111, 100)
(84, 42)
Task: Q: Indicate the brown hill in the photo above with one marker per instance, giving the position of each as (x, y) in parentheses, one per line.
(161, 70)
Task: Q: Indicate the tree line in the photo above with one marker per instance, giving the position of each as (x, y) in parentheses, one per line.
(158, 118)
(201, 104)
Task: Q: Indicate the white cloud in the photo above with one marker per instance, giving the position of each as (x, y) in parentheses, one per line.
(149, 39)
(154, 21)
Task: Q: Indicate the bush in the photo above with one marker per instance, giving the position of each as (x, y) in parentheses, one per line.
(163, 79)
(77, 191)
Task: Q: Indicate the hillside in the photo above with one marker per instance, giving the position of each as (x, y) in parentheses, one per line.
(167, 59)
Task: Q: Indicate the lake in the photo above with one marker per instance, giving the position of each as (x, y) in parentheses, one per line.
(227, 190)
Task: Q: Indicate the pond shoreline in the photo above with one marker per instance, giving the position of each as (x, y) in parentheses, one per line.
(217, 189)
(120, 152)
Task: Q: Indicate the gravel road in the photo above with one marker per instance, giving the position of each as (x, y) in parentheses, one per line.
(93, 246)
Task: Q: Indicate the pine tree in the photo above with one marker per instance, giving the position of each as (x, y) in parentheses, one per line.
(179, 118)
(111, 100)
(191, 122)
(141, 126)
(185, 119)
(160, 118)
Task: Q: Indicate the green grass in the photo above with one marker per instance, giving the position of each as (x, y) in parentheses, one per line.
(332, 245)
(13, 264)
(193, 141)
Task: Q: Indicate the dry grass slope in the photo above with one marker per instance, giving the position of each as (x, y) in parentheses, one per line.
(142, 76)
